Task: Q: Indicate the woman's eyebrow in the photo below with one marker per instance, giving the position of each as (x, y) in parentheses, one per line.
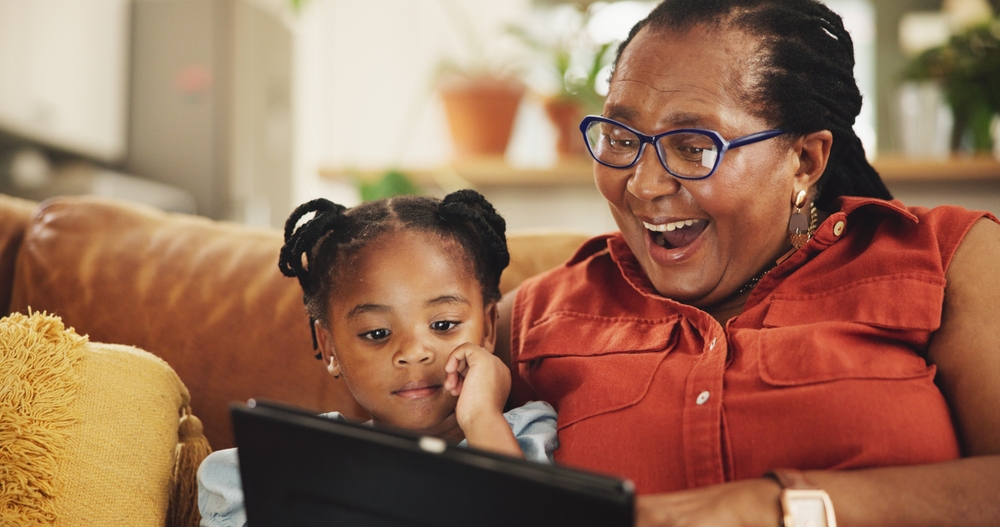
(685, 119)
(675, 119)
(620, 113)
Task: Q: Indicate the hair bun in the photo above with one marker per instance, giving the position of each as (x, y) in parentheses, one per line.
(299, 240)
(471, 206)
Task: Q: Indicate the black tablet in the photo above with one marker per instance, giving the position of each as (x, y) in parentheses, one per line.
(300, 469)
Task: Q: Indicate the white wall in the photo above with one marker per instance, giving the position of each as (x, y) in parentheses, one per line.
(365, 82)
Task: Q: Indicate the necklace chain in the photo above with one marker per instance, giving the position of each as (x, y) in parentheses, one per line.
(752, 283)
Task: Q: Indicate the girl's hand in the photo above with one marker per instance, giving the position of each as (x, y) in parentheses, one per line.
(482, 382)
(479, 379)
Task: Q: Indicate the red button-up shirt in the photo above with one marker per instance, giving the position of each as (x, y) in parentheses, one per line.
(824, 369)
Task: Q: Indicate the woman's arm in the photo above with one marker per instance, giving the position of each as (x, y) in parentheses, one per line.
(966, 350)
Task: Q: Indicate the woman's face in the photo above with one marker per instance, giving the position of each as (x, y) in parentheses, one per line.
(720, 231)
(406, 303)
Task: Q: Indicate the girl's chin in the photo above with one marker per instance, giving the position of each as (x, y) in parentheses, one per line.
(436, 425)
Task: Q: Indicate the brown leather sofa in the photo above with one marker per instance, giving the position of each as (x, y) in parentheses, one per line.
(206, 296)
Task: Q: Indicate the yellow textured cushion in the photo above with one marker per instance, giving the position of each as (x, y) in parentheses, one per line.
(88, 431)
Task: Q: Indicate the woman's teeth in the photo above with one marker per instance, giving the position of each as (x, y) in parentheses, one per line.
(677, 233)
(670, 227)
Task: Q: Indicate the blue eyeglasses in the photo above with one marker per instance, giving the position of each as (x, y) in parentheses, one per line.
(687, 153)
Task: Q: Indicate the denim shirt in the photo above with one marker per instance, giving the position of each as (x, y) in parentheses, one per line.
(220, 495)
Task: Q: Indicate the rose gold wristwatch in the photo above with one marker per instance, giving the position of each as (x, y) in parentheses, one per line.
(802, 503)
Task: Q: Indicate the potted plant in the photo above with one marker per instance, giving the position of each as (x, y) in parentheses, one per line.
(481, 95)
(480, 110)
(967, 67)
(574, 63)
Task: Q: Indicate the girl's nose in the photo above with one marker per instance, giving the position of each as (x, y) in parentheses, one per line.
(414, 352)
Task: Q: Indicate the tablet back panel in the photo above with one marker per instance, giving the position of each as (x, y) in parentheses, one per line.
(305, 470)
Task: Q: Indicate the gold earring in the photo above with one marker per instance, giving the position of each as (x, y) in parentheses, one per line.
(798, 225)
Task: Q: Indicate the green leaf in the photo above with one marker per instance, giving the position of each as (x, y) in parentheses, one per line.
(392, 183)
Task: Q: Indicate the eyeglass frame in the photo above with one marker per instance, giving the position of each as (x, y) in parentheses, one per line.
(720, 143)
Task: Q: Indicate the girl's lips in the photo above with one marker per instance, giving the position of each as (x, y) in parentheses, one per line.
(418, 389)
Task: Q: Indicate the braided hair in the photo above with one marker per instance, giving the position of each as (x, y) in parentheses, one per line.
(805, 66)
(318, 249)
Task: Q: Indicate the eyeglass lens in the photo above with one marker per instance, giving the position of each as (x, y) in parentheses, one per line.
(686, 154)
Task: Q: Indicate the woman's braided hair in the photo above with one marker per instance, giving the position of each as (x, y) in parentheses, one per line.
(806, 69)
(318, 250)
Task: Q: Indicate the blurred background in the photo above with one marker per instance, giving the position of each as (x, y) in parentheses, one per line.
(241, 109)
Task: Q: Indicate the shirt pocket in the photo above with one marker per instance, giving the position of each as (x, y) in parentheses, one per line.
(871, 329)
(587, 365)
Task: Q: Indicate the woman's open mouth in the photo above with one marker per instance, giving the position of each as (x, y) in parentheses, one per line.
(676, 233)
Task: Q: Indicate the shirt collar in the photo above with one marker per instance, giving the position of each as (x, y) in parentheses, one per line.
(847, 205)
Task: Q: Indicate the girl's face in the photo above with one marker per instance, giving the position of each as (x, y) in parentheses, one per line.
(407, 302)
(723, 230)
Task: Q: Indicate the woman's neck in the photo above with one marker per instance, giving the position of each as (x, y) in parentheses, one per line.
(736, 303)
(729, 308)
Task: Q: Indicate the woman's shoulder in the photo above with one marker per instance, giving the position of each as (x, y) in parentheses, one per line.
(937, 216)
(939, 229)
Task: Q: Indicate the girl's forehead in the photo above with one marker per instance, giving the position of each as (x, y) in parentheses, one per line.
(406, 251)
(405, 242)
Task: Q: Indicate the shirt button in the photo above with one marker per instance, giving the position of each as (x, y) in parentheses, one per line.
(711, 345)
(702, 397)
(838, 228)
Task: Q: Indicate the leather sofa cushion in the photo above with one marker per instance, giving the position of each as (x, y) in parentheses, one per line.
(205, 296)
(15, 214)
(532, 252)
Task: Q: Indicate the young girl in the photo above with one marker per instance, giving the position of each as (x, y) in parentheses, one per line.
(402, 297)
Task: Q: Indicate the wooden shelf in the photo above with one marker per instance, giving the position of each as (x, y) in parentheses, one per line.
(484, 172)
(899, 168)
(494, 172)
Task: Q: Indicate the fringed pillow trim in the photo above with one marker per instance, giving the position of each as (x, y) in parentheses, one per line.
(38, 384)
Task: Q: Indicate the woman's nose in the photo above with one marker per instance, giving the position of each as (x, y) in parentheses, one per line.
(649, 179)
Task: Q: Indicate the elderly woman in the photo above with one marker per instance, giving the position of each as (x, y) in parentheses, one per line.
(767, 319)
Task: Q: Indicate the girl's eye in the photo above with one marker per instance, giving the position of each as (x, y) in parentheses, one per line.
(376, 335)
(444, 325)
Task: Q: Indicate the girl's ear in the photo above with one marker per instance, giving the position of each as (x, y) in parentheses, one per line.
(490, 318)
(325, 342)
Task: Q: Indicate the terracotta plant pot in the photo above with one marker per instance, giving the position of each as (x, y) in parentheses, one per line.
(480, 114)
(565, 116)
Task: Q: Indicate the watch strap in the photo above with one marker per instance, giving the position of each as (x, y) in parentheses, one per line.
(795, 484)
(790, 479)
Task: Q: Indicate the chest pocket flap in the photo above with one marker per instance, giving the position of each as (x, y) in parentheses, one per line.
(615, 357)
(870, 329)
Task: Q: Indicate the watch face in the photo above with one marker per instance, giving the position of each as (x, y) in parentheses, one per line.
(805, 508)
